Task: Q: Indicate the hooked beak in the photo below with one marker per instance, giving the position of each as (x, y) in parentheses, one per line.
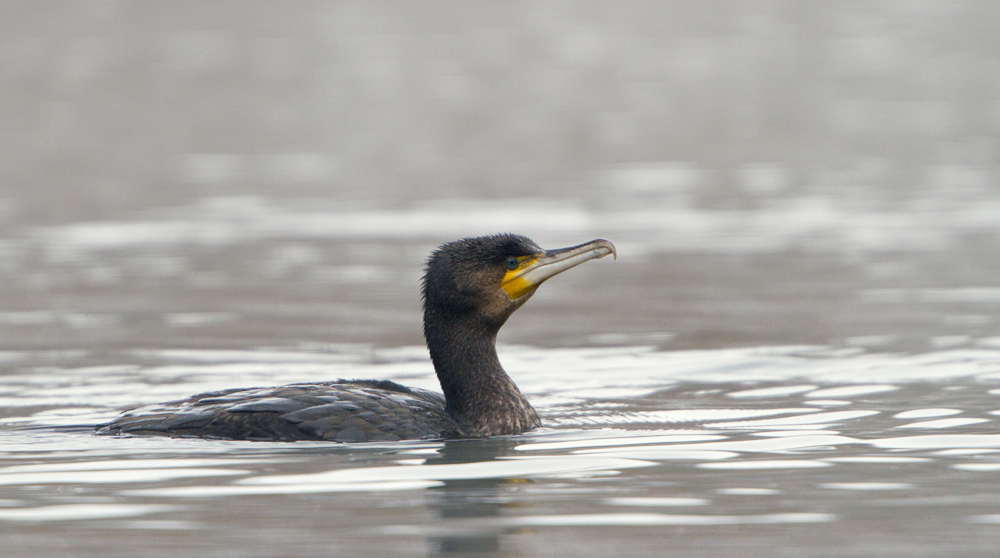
(533, 271)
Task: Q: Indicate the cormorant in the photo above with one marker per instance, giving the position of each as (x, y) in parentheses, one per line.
(470, 288)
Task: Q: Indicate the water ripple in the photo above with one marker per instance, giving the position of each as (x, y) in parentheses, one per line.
(77, 512)
(638, 519)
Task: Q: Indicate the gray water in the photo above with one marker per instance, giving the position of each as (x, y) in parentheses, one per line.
(796, 353)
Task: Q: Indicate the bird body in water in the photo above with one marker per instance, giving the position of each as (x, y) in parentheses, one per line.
(470, 288)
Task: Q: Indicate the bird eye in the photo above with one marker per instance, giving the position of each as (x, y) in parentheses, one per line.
(511, 263)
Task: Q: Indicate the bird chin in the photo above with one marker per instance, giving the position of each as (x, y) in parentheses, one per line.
(519, 301)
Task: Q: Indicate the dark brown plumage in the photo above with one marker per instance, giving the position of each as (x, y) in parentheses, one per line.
(470, 288)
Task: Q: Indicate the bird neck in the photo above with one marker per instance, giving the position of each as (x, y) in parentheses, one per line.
(479, 394)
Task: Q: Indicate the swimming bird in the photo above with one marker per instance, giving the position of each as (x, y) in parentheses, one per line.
(470, 288)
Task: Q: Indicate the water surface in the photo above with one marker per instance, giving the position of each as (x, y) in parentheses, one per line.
(818, 451)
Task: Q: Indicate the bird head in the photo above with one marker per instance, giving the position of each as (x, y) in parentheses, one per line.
(492, 276)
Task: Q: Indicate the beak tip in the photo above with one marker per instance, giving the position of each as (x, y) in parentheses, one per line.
(606, 244)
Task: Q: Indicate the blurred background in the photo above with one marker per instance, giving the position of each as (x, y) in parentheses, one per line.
(249, 174)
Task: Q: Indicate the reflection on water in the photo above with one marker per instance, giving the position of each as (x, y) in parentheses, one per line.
(705, 439)
(472, 509)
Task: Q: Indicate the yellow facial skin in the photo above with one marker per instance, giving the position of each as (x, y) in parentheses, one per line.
(515, 282)
(532, 271)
